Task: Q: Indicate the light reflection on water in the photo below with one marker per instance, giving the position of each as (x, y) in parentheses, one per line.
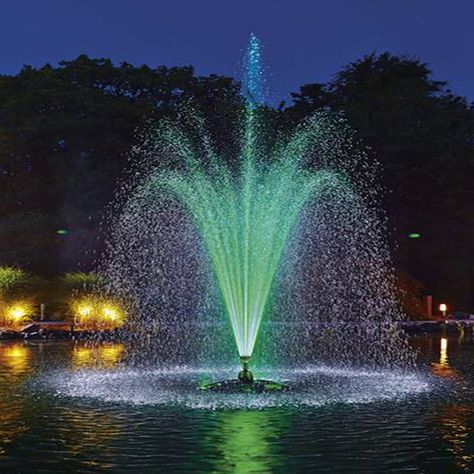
(443, 368)
(38, 429)
(88, 435)
(93, 355)
(455, 427)
(246, 441)
(15, 357)
(15, 363)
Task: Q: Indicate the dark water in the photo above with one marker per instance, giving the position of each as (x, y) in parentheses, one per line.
(51, 420)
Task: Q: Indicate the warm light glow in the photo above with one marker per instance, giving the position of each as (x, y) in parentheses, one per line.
(444, 344)
(443, 307)
(83, 357)
(443, 351)
(17, 313)
(15, 351)
(110, 313)
(84, 310)
(106, 355)
(111, 354)
(16, 356)
(442, 368)
(94, 313)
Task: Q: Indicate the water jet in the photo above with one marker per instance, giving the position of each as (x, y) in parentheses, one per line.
(239, 216)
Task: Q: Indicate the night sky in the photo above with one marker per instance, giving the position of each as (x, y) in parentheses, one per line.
(306, 40)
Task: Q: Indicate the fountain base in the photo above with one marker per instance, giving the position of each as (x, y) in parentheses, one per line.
(245, 382)
(238, 386)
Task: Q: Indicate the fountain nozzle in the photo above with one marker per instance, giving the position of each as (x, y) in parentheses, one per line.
(245, 376)
(245, 382)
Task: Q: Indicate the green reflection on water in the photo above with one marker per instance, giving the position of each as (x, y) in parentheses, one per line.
(246, 441)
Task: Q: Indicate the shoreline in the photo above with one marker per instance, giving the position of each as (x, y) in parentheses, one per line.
(53, 334)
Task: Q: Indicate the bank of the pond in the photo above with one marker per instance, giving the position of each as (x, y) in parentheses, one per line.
(438, 327)
(61, 330)
(54, 330)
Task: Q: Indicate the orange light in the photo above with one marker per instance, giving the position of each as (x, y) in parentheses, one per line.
(16, 356)
(17, 313)
(97, 355)
(85, 310)
(93, 312)
(111, 313)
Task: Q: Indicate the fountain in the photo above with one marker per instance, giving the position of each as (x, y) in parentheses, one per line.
(249, 216)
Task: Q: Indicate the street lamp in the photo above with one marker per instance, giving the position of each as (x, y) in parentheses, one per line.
(443, 307)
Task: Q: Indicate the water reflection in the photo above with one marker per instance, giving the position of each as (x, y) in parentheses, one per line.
(11, 423)
(97, 355)
(442, 368)
(247, 441)
(15, 357)
(89, 435)
(39, 430)
(15, 363)
(455, 427)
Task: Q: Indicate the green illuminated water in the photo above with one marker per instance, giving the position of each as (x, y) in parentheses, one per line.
(245, 215)
(62, 410)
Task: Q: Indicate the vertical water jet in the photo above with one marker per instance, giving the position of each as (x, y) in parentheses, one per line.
(244, 209)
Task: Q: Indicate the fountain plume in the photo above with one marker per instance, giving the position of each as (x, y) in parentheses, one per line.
(248, 212)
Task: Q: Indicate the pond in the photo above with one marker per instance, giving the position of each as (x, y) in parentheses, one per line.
(71, 407)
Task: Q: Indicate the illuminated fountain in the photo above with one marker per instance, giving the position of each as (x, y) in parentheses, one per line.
(244, 217)
(282, 226)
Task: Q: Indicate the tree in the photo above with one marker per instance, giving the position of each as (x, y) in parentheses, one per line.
(423, 135)
(65, 133)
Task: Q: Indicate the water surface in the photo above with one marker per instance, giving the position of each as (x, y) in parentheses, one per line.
(70, 407)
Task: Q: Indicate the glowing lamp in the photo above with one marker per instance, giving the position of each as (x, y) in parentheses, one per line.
(110, 313)
(91, 312)
(414, 235)
(84, 310)
(17, 313)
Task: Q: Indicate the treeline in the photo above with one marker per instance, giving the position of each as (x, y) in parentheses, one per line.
(65, 133)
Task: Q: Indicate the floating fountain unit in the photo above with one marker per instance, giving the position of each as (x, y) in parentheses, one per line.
(245, 383)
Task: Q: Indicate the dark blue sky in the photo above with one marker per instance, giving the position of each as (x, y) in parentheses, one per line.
(306, 40)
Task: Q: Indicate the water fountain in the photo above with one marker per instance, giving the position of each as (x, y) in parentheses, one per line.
(256, 224)
(276, 249)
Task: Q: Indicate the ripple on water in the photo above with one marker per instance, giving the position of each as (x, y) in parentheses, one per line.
(311, 386)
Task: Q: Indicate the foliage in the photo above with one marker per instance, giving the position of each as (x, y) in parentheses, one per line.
(70, 286)
(65, 133)
(423, 135)
(16, 313)
(11, 278)
(411, 294)
(80, 281)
